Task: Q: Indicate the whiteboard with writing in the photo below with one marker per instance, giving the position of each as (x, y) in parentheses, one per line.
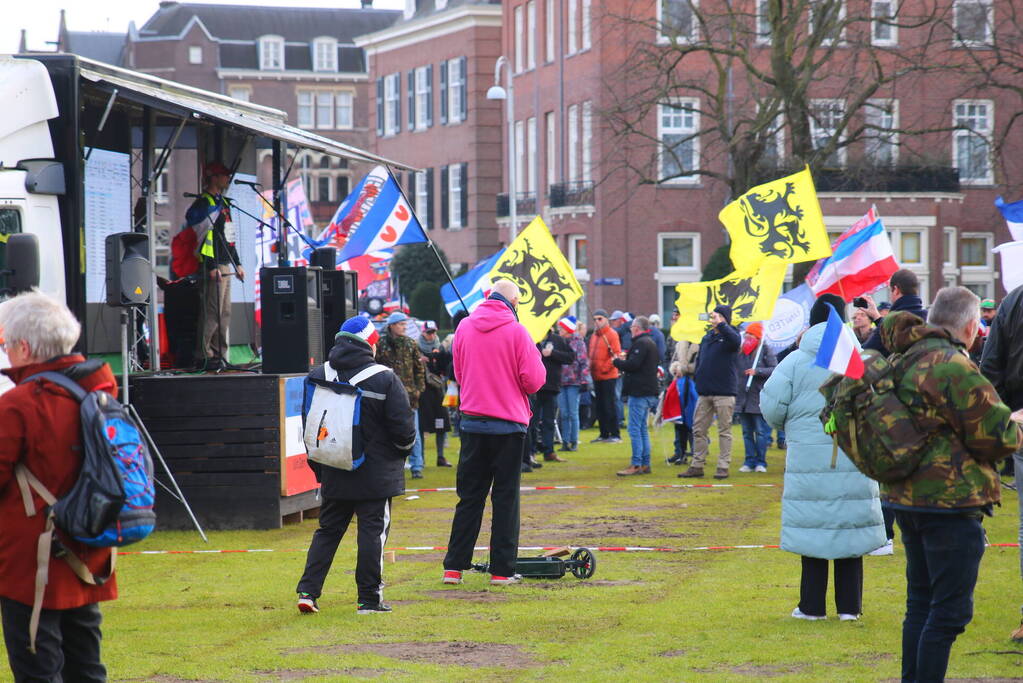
(107, 211)
(246, 229)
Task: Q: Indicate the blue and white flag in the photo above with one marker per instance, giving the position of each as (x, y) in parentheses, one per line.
(376, 217)
(474, 286)
(1013, 217)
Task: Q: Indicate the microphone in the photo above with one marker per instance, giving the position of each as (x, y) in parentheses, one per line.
(190, 195)
(247, 182)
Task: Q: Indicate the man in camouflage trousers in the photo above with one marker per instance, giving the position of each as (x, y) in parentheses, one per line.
(401, 354)
(939, 507)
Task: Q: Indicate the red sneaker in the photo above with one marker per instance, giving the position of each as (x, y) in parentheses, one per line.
(452, 576)
(504, 580)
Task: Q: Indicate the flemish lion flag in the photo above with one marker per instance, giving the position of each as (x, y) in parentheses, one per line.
(534, 262)
(780, 220)
(750, 294)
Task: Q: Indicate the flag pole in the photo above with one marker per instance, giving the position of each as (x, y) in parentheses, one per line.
(756, 360)
(429, 241)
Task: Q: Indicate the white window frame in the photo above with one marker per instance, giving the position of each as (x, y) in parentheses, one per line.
(892, 27)
(875, 139)
(573, 242)
(674, 275)
(989, 238)
(422, 97)
(307, 106)
(988, 23)
(924, 251)
(344, 109)
(551, 148)
(586, 143)
(392, 96)
(984, 132)
(242, 93)
(455, 196)
(662, 38)
(572, 28)
(520, 39)
(573, 143)
(586, 29)
(422, 198)
(841, 20)
(161, 187)
(817, 130)
(692, 105)
(520, 157)
(662, 236)
(455, 93)
(271, 53)
(531, 168)
(195, 54)
(761, 26)
(950, 247)
(325, 54)
(531, 34)
(323, 109)
(549, 30)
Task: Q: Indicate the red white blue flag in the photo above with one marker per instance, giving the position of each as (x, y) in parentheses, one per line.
(839, 352)
(862, 261)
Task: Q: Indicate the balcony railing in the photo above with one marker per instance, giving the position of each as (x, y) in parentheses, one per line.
(525, 205)
(866, 178)
(571, 194)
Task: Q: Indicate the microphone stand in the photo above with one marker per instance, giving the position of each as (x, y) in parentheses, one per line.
(283, 219)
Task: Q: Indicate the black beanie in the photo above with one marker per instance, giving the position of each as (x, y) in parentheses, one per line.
(819, 312)
(725, 312)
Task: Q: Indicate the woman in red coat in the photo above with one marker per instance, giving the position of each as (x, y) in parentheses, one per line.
(42, 430)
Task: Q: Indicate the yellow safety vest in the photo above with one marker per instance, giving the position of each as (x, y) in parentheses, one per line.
(207, 245)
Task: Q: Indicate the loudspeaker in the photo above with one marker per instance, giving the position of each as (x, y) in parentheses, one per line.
(324, 257)
(290, 299)
(129, 273)
(22, 267)
(334, 305)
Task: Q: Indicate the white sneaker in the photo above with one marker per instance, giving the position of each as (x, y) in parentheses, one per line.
(745, 468)
(760, 468)
(798, 614)
(887, 549)
(848, 617)
(505, 580)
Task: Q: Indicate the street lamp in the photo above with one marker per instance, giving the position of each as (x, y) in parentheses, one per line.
(496, 92)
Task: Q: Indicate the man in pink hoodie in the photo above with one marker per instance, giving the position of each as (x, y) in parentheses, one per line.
(497, 366)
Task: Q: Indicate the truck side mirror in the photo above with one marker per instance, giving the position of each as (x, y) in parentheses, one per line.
(22, 267)
(43, 176)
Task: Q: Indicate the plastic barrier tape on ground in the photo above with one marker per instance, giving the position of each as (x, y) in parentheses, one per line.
(534, 548)
(452, 489)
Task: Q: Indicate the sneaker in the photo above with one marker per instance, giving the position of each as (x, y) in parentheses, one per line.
(675, 459)
(759, 468)
(534, 463)
(887, 549)
(798, 614)
(599, 439)
(1017, 635)
(721, 473)
(692, 473)
(526, 468)
(367, 608)
(452, 577)
(745, 468)
(614, 439)
(504, 580)
(630, 470)
(848, 617)
(417, 474)
(307, 604)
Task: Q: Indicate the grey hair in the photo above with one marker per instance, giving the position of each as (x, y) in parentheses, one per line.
(642, 322)
(46, 325)
(953, 309)
(508, 289)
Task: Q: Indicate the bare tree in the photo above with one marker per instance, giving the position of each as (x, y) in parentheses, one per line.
(739, 90)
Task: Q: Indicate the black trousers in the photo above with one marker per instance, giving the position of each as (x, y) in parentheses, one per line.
(607, 413)
(485, 461)
(67, 644)
(374, 523)
(813, 586)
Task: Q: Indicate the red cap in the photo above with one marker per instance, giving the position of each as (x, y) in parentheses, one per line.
(213, 168)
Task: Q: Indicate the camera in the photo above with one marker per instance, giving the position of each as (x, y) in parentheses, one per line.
(860, 302)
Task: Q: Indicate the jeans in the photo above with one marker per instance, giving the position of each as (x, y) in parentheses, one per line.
(67, 643)
(619, 402)
(755, 434)
(639, 434)
(943, 553)
(568, 406)
(415, 457)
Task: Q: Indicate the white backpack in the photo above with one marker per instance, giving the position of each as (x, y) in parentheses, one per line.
(331, 417)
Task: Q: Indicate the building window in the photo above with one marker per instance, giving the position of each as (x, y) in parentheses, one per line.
(323, 184)
(531, 34)
(324, 109)
(343, 105)
(828, 16)
(271, 53)
(456, 90)
(549, 30)
(949, 248)
(677, 250)
(392, 96)
(972, 141)
(973, 21)
(422, 98)
(825, 121)
(571, 27)
(455, 196)
(763, 22)
(520, 157)
(975, 250)
(342, 187)
(305, 109)
(242, 93)
(304, 172)
(520, 40)
(678, 125)
(573, 143)
(578, 256)
(676, 21)
(161, 193)
(551, 149)
(882, 138)
(883, 30)
(422, 197)
(194, 54)
(324, 54)
(911, 247)
(531, 154)
(587, 39)
(587, 142)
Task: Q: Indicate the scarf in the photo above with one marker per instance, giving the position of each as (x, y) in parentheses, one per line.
(428, 347)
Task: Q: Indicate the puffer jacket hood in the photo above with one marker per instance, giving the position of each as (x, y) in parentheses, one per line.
(349, 354)
(900, 331)
(492, 314)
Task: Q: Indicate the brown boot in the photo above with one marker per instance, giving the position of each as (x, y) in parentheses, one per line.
(630, 471)
(552, 457)
(722, 473)
(692, 473)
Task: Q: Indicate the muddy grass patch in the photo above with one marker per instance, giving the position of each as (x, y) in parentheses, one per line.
(468, 596)
(603, 528)
(301, 674)
(754, 671)
(442, 653)
(570, 582)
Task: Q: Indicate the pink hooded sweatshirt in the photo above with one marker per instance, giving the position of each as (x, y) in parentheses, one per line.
(497, 365)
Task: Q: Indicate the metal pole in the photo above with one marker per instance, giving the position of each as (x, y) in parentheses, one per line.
(513, 199)
(756, 360)
(153, 313)
(125, 367)
(282, 243)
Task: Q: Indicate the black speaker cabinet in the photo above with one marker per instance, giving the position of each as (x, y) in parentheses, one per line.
(129, 273)
(292, 322)
(334, 305)
(325, 258)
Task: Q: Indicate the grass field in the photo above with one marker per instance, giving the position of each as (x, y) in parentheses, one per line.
(691, 615)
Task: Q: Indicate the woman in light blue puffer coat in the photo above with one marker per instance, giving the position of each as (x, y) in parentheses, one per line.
(830, 511)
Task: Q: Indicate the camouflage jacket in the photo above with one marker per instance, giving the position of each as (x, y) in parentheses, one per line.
(951, 400)
(401, 354)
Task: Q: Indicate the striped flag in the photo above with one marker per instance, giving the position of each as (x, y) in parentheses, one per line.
(474, 286)
(839, 352)
(863, 260)
(1013, 214)
(375, 217)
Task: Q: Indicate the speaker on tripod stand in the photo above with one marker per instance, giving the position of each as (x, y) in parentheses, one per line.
(129, 280)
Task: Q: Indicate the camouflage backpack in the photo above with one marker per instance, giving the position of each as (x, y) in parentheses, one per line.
(870, 423)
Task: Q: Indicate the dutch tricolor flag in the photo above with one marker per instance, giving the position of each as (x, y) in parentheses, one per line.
(839, 351)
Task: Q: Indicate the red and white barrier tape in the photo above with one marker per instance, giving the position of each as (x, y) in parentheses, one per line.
(521, 488)
(452, 489)
(704, 486)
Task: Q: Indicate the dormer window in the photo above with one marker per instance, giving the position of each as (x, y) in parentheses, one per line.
(324, 54)
(271, 53)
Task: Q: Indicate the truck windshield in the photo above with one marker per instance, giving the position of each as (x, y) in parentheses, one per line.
(10, 224)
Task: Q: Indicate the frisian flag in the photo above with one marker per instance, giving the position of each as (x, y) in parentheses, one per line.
(862, 261)
(474, 286)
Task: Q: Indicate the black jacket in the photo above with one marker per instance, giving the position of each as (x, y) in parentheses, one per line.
(906, 302)
(388, 430)
(561, 355)
(640, 367)
(715, 370)
(1002, 362)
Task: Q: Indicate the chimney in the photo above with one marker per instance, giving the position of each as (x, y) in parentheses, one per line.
(23, 44)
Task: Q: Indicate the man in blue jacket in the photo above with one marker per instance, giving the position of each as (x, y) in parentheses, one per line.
(716, 386)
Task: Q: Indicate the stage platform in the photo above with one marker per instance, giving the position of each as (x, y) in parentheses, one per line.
(234, 444)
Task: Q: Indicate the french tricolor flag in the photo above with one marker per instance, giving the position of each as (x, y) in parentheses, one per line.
(839, 351)
(862, 261)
